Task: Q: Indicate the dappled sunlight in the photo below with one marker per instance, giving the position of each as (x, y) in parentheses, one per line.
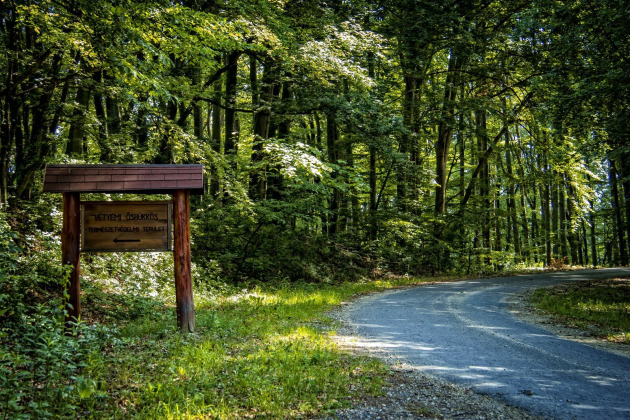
(489, 327)
(468, 335)
(491, 369)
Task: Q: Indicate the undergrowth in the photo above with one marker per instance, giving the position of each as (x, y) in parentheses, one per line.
(260, 349)
(601, 307)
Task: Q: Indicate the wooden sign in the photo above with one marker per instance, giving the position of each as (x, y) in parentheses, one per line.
(112, 226)
(127, 225)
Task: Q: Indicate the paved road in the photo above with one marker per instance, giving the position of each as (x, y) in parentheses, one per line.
(462, 331)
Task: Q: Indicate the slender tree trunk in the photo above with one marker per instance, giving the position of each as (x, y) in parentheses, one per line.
(480, 116)
(215, 185)
(9, 119)
(547, 212)
(462, 156)
(99, 110)
(355, 213)
(261, 126)
(563, 218)
(197, 109)
(511, 196)
(332, 136)
(625, 174)
(585, 242)
(373, 209)
(555, 214)
(572, 234)
(498, 226)
(617, 212)
(445, 134)
(113, 114)
(230, 103)
(75, 145)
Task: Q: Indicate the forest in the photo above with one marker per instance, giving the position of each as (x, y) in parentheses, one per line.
(341, 140)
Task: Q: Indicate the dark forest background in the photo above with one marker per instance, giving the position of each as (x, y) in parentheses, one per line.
(340, 138)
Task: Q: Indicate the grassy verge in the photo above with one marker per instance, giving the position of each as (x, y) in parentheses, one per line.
(257, 353)
(602, 307)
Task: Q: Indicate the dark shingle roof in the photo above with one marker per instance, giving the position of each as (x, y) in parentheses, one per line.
(139, 179)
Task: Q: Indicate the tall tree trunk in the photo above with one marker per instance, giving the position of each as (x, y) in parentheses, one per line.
(585, 240)
(462, 156)
(261, 130)
(591, 216)
(480, 117)
(547, 213)
(215, 186)
(230, 102)
(332, 136)
(99, 110)
(554, 223)
(373, 209)
(197, 110)
(445, 134)
(75, 145)
(355, 208)
(563, 218)
(625, 175)
(113, 112)
(511, 197)
(617, 212)
(572, 234)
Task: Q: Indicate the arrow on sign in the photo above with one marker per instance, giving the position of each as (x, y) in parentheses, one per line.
(126, 240)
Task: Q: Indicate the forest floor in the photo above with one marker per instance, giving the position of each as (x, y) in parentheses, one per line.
(410, 393)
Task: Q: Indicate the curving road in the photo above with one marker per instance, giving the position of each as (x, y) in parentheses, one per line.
(463, 331)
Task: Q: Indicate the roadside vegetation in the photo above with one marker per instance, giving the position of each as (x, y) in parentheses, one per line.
(260, 349)
(600, 307)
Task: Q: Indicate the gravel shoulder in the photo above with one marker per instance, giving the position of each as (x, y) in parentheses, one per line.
(410, 393)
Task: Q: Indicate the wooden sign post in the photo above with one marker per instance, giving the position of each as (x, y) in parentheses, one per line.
(129, 226)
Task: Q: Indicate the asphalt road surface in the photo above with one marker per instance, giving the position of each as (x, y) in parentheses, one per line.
(463, 331)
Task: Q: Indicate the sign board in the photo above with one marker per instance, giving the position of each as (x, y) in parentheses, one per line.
(112, 226)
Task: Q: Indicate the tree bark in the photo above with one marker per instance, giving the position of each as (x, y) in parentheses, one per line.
(562, 209)
(332, 136)
(555, 215)
(511, 196)
(75, 138)
(215, 185)
(617, 213)
(230, 102)
(445, 134)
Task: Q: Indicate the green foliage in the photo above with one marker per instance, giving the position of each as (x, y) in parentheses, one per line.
(601, 307)
(40, 360)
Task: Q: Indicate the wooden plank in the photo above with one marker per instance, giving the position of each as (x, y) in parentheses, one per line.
(112, 226)
(183, 277)
(70, 254)
(139, 179)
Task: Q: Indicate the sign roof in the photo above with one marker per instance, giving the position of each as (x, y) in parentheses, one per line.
(139, 179)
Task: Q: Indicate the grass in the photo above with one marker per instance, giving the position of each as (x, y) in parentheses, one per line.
(262, 353)
(602, 307)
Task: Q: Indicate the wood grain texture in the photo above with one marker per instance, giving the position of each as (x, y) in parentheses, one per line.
(112, 226)
(70, 233)
(139, 179)
(181, 256)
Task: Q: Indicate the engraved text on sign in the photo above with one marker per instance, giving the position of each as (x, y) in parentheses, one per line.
(125, 226)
